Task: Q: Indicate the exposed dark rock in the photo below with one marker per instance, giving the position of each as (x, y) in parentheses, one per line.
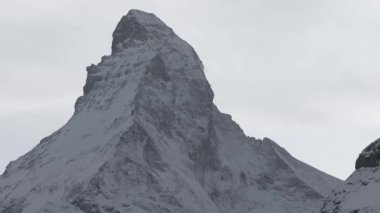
(128, 29)
(370, 157)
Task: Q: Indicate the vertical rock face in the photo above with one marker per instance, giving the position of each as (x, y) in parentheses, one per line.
(360, 192)
(146, 137)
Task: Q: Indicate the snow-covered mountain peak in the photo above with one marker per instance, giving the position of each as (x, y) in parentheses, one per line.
(146, 137)
(145, 52)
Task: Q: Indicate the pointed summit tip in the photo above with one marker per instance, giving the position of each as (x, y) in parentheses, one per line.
(141, 15)
(138, 26)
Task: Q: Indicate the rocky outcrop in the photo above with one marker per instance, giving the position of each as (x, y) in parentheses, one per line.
(370, 156)
(359, 193)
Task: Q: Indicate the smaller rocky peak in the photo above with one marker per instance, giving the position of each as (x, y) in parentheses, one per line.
(138, 26)
(370, 156)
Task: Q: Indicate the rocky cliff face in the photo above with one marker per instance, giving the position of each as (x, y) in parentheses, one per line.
(146, 137)
(359, 193)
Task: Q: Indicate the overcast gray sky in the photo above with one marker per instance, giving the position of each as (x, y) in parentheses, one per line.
(304, 73)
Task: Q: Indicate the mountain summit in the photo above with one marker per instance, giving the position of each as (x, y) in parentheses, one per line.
(146, 137)
(139, 26)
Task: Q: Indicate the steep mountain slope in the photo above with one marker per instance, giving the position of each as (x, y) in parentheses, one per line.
(146, 137)
(360, 192)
